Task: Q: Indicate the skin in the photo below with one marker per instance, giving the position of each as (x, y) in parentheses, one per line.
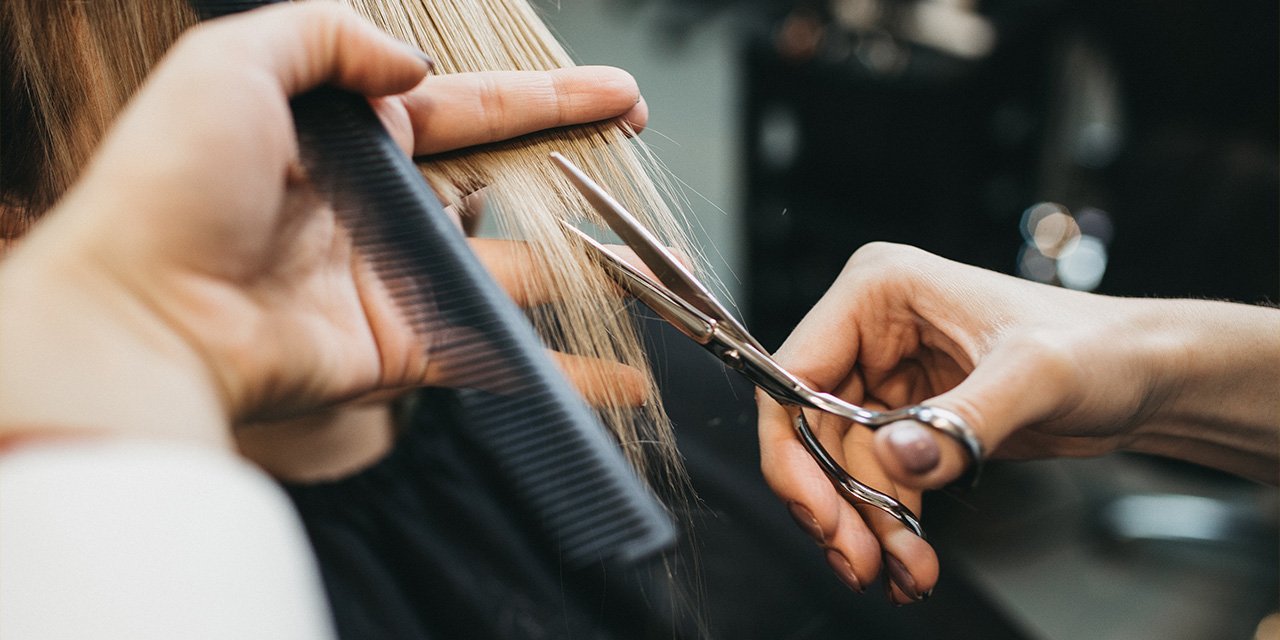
(1037, 371)
(219, 291)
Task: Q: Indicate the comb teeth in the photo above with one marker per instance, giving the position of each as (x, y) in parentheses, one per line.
(539, 435)
(589, 519)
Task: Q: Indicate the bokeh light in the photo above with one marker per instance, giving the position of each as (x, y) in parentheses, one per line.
(1082, 267)
(1060, 248)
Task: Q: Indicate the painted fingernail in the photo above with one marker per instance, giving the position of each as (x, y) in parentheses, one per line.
(805, 519)
(844, 570)
(914, 446)
(427, 60)
(900, 576)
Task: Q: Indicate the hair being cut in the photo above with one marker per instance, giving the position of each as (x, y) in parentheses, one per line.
(74, 64)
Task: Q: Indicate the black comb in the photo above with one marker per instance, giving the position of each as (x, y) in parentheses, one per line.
(544, 443)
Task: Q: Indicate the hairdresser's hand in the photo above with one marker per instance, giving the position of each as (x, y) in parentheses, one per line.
(191, 262)
(1037, 371)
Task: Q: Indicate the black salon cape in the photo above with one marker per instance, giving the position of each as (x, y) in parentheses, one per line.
(424, 544)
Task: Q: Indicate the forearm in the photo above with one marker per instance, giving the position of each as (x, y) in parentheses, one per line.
(1218, 400)
(77, 358)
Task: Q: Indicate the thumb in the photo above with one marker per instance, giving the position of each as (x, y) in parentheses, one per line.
(302, 46)
(1024, 381)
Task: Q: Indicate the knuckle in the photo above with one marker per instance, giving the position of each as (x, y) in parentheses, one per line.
(492, 106)
(320, 13)
(884, 263)
(560, 97)
(878, 251)
(877, 257)
(319, 21)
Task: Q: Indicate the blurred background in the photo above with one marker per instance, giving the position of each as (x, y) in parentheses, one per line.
(802, 130)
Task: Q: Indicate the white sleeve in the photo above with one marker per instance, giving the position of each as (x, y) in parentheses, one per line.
(144, 540)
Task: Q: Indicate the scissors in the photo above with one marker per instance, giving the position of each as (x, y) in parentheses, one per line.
(691, 308)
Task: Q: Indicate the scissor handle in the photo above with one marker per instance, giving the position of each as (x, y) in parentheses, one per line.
(941, 420)
(948, 423)
(850, 489)
(786, 388)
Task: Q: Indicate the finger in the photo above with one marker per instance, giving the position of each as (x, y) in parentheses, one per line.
(636, 119)
(792, 474)
(460, 110)
(853, 539)
(470, 211)
(603, 383)
(909, 562)
(1025, 380)
(600, 383)
(304, 45)
(516, 269)
(858, 538)
(513, 265)
(527, 279)
(851, 549)
(903, 385)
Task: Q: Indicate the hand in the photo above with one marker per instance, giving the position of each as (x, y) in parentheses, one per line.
(190, 263)
(1037, 371)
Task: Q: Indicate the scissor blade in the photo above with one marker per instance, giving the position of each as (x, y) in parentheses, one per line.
(675, 311)
(677, 279)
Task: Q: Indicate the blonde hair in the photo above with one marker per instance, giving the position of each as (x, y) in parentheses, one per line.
(75, 64)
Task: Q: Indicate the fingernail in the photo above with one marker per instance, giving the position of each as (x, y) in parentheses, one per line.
(805, 519)
(901, 577)
(426, 59)
(914, 446)
(844, 570)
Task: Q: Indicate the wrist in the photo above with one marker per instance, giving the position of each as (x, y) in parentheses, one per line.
(78, 354)
(1216, 391)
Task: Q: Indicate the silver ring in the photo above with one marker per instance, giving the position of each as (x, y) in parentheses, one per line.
(951, 424)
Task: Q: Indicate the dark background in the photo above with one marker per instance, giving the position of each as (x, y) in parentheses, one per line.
(946, 153)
